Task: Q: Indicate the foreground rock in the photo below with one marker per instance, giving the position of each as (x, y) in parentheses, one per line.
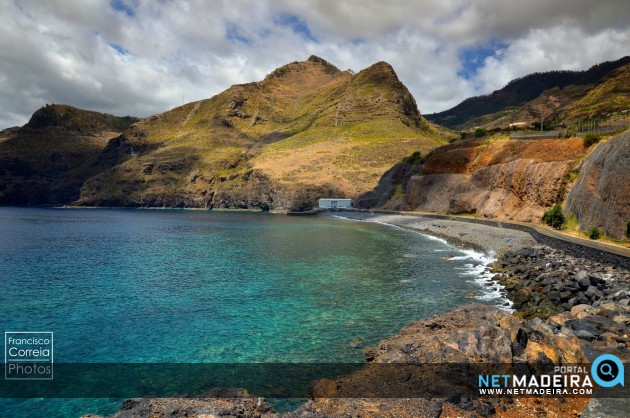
(473, 334)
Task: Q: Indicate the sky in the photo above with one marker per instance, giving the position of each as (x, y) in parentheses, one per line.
(142, 57)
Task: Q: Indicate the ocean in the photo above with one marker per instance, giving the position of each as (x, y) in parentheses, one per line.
(177, 286)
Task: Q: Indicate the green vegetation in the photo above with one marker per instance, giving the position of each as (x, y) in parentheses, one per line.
(571, 223)
(399, 193)
(568, 178)
(591, 139)
(600, 90)
(554, 217)
(414, 158)
(594, 233)
(479, 132)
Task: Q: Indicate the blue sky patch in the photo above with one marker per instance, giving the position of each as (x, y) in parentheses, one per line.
(120, 49)
(296, 23)
(235, 34)
(122, 6)
(473, 59)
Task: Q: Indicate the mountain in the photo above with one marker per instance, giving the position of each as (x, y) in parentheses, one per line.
(565, 96)
(307, 130)
(47, 160)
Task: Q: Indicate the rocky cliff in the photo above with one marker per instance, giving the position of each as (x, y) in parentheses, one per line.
(47, 160)
(515, 180)
(601, 195)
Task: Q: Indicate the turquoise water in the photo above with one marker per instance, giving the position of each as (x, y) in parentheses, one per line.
(198, 286)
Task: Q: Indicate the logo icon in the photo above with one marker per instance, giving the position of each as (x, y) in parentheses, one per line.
(607, 371)
(28, 355)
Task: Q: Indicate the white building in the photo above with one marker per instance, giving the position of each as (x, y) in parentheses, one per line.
(334, 203)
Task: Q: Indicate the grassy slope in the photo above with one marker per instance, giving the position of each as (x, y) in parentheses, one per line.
(566, 93)
(567, 105)
(611, 95)
(306, 123)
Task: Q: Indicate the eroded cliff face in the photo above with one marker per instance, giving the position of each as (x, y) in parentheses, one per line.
(601, 195)
(510, 180)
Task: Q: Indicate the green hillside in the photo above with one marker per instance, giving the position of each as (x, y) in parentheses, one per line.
(558, 92)
(306, 130)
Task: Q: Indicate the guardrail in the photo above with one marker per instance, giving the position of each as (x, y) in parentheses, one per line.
(538, 135)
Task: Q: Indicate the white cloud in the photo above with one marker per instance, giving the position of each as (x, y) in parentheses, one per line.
(150, 56)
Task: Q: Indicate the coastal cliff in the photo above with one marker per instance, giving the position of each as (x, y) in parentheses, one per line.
(509, 180)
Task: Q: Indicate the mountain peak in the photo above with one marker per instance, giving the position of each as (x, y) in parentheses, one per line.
(312, 64)
(74, 119)
(327, 64)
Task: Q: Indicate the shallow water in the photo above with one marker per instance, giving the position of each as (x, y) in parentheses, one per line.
(197, 286)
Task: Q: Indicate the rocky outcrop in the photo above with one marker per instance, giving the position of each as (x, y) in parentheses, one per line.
(238, 403)
(589, 298)
(437, 360)
(511, 180)
(388, 193)
(473, 334)
(601, 195)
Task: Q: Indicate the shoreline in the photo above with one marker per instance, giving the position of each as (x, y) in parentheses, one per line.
(483, 255)
(542, 282)
(486, 239)
(576, 333)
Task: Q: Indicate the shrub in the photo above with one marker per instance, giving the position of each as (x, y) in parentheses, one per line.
(628, 230)
(590, 139)
(554, 217)
(479, 132)
(414, 158)
(594, 233)
(463, 135)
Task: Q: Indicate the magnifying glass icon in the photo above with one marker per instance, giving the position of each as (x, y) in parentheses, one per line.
(606, 369)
